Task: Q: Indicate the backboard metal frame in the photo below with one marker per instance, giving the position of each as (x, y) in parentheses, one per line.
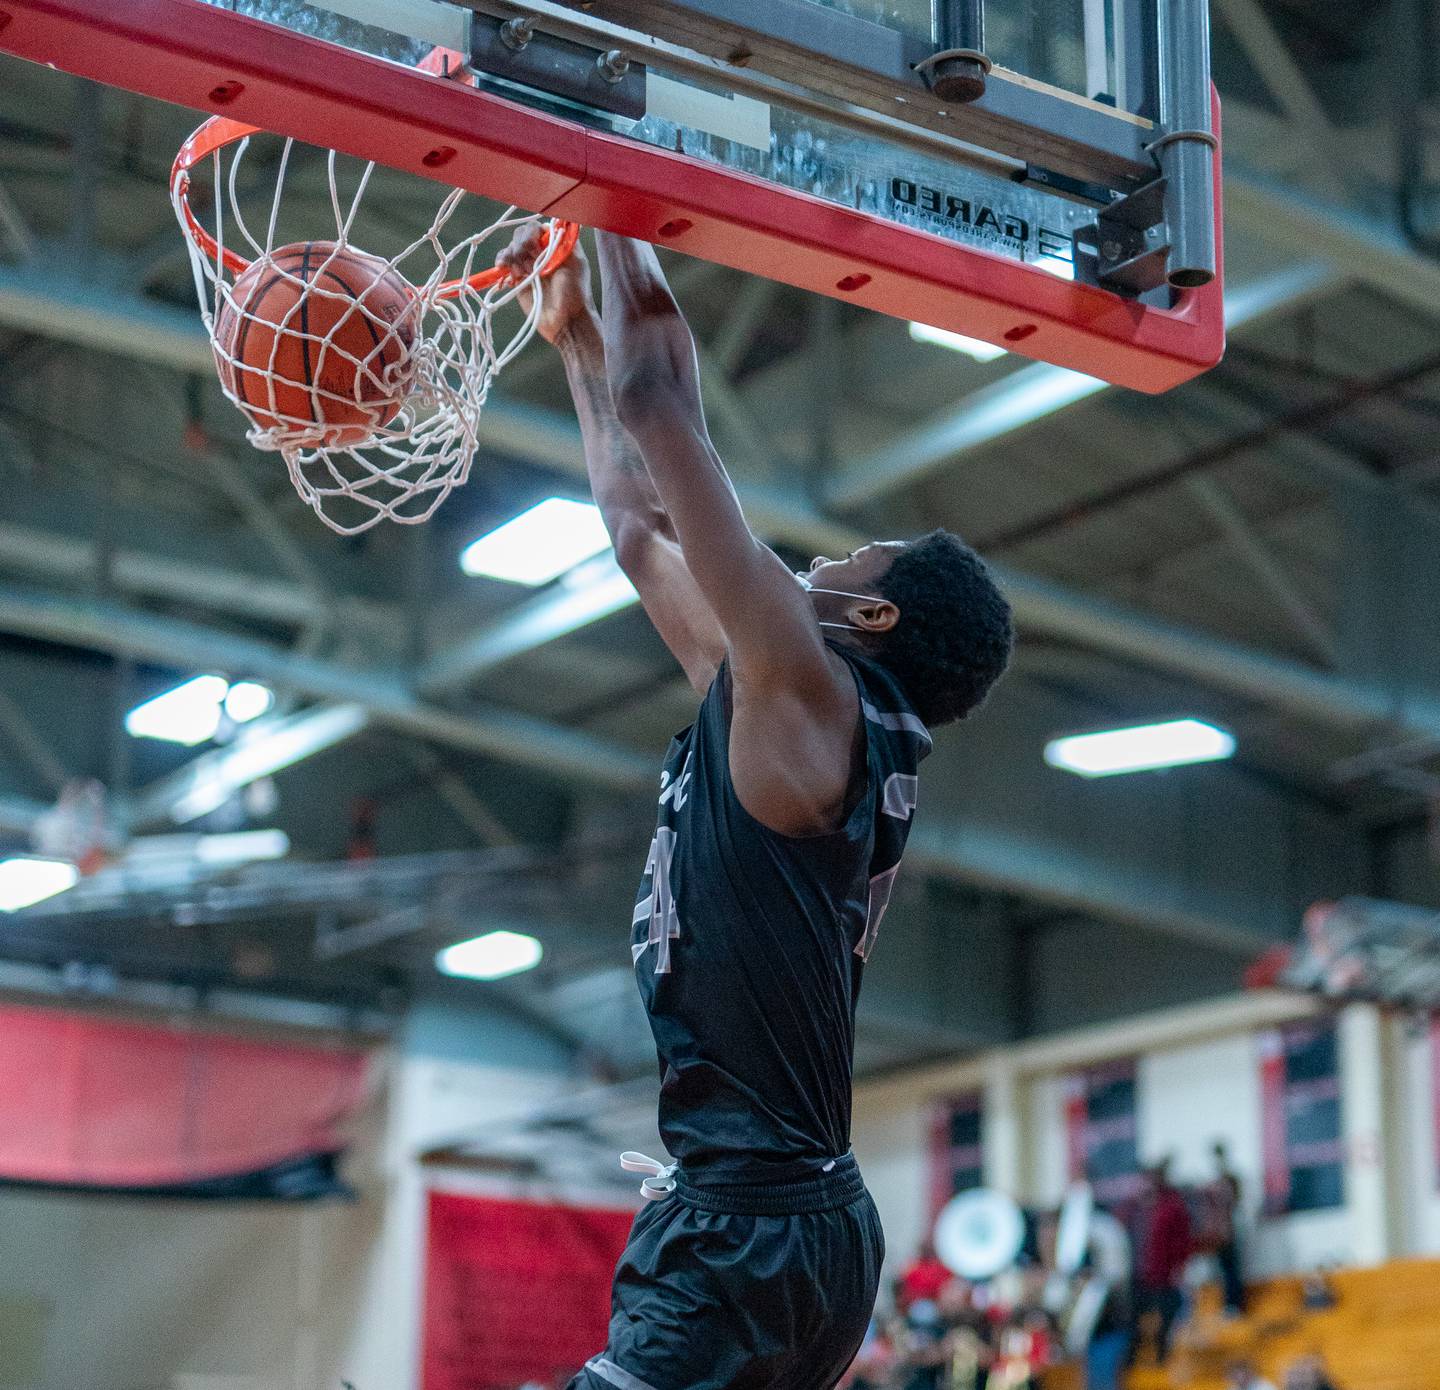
(211, 59)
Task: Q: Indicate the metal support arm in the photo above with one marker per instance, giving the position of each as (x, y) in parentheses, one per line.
(1186, 152)
(958, 68)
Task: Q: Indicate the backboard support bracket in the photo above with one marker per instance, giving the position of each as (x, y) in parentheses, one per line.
(1127, 250)
(603, 79)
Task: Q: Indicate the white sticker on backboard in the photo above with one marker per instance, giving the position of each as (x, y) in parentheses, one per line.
(741, 119)
(446, 26)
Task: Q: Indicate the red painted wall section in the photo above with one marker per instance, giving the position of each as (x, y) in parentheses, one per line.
(91, 1101)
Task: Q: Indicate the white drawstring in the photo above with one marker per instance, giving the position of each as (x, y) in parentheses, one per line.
(661, 1182)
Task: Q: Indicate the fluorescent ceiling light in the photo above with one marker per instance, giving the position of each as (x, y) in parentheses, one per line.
(490, 957)
(957, 342)
(27, 881)
(247, 700)
(540, 544)
(242, 847)
(215, 851)
(189, 714)
(1147, 746)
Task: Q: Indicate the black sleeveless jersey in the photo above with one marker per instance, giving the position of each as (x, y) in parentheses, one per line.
(749, 945)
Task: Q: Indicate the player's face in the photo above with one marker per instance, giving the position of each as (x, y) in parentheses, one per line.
(861, 568)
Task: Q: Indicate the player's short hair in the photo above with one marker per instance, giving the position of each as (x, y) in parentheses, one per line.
(954, 637)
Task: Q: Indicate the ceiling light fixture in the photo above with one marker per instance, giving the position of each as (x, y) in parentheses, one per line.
(540, 544)
(957, 342)
(192, 712)
(490, 957)
(1143, 748)
(24, 881)
(189, 714)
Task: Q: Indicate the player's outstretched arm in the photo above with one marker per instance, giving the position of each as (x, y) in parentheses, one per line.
(796, 711)
(645, 544)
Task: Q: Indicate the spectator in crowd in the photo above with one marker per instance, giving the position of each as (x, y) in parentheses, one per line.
(925, 1345)
(967, 1338)
(1107, 1339)
(922, 1278)
(1242, 1375)
(1165, 1249)
(1223, 1222)
(1308, 1373)
(874, 1367)
(1316, 1291)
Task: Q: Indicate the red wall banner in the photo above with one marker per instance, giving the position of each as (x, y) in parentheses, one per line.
(957, 1155)
(1101, 1130)
(1274, 1145)
(515, 1291)
(93, 1101)
(1302, 1122)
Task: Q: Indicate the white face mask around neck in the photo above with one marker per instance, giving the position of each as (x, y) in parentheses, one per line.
(839, 593)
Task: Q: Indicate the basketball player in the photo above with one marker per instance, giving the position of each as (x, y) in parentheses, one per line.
(783, 811)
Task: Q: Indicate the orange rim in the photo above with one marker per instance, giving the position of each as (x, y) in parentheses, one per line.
(220, 131)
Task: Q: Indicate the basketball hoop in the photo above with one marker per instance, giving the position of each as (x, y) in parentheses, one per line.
(367, 380)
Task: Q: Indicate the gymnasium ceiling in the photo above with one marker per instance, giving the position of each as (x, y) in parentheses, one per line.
(1257, 547)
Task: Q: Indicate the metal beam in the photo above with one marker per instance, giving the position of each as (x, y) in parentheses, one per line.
(1283, 75)
(14, 229)
(1028, 396)
(724, 406)
(34, 750)
(743, 318)
(495, 733)
(461, 798)
(282, 545)
(65, 559)
(1042, 607)
(18, 814)
(968, 853)
(1305, 418)
(580, 599)
(1358, 246)
(1263, 564)
(1044, 871)
(49, 298)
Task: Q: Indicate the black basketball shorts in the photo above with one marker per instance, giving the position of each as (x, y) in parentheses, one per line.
(744, 1288)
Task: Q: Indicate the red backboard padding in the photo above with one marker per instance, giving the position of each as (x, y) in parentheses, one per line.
(99, 1102)
(515, 1291)
(208, 58)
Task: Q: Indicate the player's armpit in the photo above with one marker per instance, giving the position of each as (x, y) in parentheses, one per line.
(653, 563)
(793, 760)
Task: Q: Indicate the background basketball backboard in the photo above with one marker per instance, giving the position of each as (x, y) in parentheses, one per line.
(1039, 176)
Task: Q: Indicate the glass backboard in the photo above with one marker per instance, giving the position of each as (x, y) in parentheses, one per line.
(1076, 45)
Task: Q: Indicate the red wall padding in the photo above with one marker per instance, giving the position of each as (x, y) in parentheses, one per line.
(99, 1102)
(515, 1291)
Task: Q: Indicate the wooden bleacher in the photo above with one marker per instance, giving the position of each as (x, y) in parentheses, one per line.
(1382, 1334)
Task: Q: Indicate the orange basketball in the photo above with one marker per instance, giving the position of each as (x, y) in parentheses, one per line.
(313, 335)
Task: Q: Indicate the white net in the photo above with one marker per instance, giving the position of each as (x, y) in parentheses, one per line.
(367, 374)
